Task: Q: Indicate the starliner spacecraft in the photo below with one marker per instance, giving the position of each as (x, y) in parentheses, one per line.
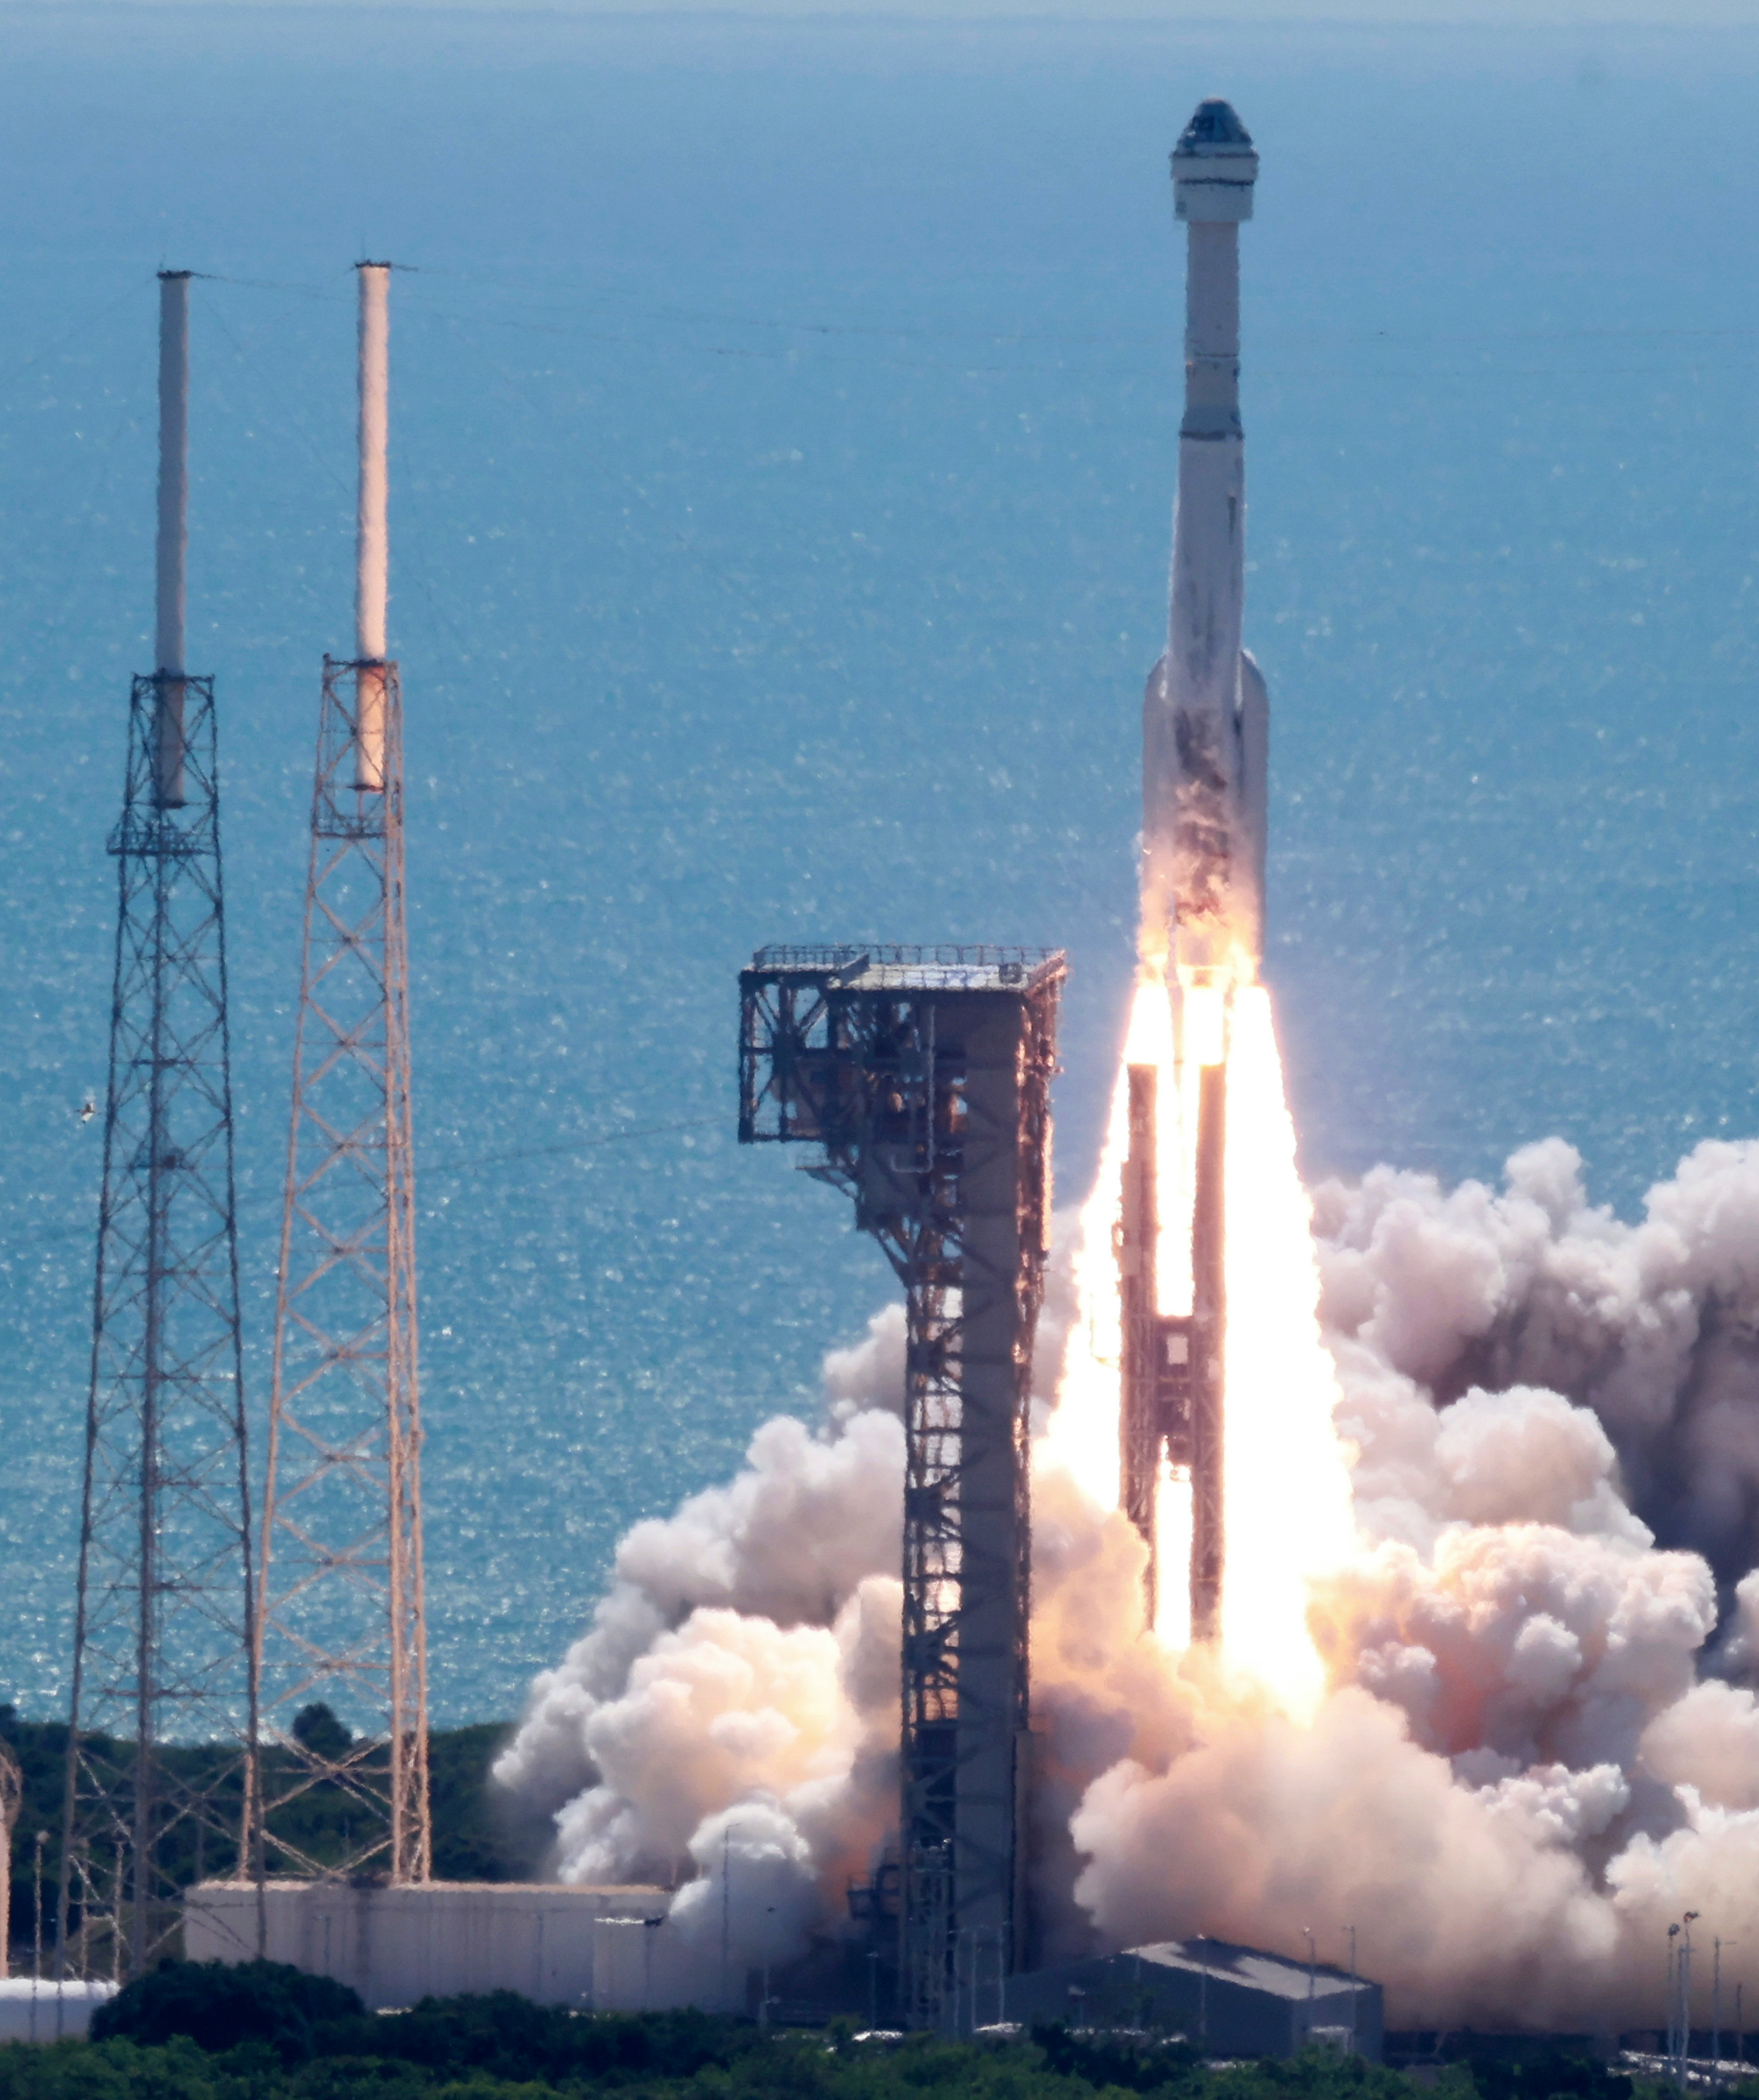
(1205, 754)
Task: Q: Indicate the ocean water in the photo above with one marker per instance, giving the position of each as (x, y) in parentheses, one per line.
(783, 436)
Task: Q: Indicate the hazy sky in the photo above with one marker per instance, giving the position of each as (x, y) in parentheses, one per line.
(1585, 13)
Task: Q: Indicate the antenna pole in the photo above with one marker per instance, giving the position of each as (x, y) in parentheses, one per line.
(172, 559)
(372, 530)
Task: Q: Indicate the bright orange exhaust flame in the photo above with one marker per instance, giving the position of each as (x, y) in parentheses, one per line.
(1287, 1483)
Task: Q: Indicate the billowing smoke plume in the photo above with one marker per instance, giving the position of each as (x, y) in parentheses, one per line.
(729, 1718)
(1538, 1745)
(1522, 1772)
(1651, 1326)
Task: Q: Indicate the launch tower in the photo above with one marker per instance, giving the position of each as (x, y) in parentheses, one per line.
(163, 1616)
(923, 1075)
(343, 1655)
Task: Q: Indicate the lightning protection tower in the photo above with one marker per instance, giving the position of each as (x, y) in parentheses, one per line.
(11, 1792)
(162, 1621)
(924, 1075)
(342, 1659)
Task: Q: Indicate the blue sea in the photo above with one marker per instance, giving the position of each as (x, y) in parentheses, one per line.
(784, 435)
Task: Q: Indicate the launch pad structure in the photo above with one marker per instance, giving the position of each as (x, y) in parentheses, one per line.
(923, 1075)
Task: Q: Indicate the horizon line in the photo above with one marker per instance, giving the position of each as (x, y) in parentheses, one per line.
(1513, 15)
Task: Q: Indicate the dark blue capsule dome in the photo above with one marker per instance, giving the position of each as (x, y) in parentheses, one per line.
(1214, 128)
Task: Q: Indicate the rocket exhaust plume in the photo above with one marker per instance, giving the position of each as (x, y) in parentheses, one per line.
(172, 549)
(372, 537)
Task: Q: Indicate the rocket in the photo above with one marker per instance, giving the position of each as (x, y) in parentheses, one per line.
(1206, 712)
(1206, 723)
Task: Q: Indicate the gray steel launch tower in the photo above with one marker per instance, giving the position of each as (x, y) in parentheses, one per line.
(923, 1075)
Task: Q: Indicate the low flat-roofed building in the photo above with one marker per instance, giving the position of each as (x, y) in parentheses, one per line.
(1226, 2000)
(39, 2009)
(436, 1939)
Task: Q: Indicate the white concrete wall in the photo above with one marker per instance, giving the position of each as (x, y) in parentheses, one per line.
(397, 1945)
(46, 2011)
(643, 1968)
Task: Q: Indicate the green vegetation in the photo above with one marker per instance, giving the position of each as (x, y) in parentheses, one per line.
(474, 1839)
(261, 2032)
(448, 2053)
(1541, 2073)
(220, 2005)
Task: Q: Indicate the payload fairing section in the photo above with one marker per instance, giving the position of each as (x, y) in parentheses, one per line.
(1206, 764)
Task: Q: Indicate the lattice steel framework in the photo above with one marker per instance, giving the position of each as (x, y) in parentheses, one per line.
(11, 1792)
(163, 1614)
(924, 1076)
(342, 1616)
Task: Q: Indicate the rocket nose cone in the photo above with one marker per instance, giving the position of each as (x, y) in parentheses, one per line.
(1215, 166)
(1214, 128)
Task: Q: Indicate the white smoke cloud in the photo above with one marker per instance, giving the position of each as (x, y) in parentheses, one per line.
(732, 1708)
(1522, 1773)
(1653, 1325)
(731, 1714)
(786, 1543)
(1539, 1744)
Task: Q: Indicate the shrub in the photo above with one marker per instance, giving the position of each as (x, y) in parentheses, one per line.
(218, 2005)
(504, 2036)
(1143, 2066)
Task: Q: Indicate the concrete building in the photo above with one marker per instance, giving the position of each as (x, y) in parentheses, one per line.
(554, 1944)
(37, 2010)
(1226, 2000)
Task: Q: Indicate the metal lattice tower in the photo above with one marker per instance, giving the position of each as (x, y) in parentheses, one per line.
(924, 1075)
(343, 1617)
(11, 1792)
(162, 1625)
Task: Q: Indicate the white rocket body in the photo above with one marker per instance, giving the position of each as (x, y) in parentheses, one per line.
(1206, 713)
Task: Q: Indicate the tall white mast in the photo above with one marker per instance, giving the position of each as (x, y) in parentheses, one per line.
(172, 552)
(372, 539)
